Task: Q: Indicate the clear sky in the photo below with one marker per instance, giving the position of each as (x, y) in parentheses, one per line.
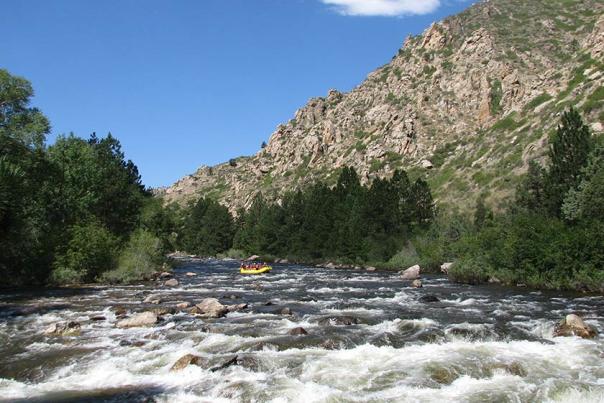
(183, 83)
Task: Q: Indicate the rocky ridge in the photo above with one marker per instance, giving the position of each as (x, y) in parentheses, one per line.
(466, 105)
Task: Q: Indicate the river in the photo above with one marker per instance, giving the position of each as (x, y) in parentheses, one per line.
(476, 344)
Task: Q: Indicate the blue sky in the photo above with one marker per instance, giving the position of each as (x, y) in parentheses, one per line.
(186, 83)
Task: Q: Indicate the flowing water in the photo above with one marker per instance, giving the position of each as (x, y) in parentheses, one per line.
(477, 344)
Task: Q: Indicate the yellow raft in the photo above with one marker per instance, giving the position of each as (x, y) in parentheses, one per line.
(260, 270)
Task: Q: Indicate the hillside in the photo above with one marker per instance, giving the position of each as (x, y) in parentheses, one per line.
(466, 105)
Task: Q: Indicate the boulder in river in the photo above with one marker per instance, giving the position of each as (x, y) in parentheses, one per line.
(370, 268)
(211, 308)
(235, 308)
(63, 329)
(153, 299)
(285, 311)
(412, 273)
(230, 362)
(164, 310)
(190, 274)
(330, 265)
(97, 318)
(445, 267)
(339, 321)
(139, 320)
(189, 359)
(164, 275)
(297, 331)
(573, 325)
(171, 283)
(253, 257)
(429, 298)
(417, 284)
(183, 305)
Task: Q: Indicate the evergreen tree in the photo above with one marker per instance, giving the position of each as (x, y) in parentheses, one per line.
(568, 153)
(530, 194)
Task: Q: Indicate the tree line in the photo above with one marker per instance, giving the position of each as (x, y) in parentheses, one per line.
(349, 222)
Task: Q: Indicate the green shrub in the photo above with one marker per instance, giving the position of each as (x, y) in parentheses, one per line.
(140, 258)
(90, 251)
(472, 270)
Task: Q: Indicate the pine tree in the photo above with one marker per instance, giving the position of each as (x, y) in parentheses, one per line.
(569, 152)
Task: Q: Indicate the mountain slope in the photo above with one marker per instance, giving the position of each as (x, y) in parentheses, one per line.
(467, 105)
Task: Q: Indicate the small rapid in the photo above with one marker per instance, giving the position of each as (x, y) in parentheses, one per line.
(369, 338)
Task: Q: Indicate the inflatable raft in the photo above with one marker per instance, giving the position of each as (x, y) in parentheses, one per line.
(260, 270)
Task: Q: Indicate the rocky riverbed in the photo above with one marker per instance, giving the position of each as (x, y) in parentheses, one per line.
(297, 334)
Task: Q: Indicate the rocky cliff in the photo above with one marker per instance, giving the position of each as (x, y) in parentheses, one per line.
(466, 105)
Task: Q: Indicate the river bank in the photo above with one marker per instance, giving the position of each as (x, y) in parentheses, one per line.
(368, 336)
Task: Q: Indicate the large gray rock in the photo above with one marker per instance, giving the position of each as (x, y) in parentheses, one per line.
(63, 329)
(412, 273)
(573, 325)
(210, 308)
(138, 320)
(171, 283)
(417, 284)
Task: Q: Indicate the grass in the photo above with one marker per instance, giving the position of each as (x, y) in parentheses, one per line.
(538, 100)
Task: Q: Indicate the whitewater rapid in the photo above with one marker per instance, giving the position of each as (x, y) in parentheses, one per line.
(477, 344)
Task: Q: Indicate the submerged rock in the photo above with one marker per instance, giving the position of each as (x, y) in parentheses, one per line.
(189, 359)
(339, 321)
(153, 299)
(171, 283)
(226, 364)
(412, 273)
(297, 331)
(63, 329)
(139, 320)
(573, 325)
(235, 308)
(417, 284)
(120, 311)
(285, 311)
(211, 308)
(98, 318)
(164, 311)
(429, 298)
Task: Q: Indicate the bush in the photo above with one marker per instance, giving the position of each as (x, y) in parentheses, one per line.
(91, 250)
(473, 270)
(140, 258)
